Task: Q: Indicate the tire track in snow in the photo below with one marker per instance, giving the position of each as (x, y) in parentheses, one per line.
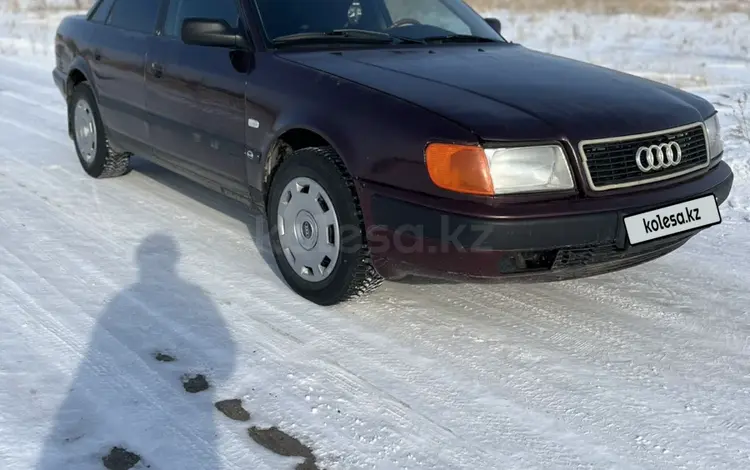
(631, 322)
(20, 84)
(50, 107)
(21, 69)
(595, 331)
(535, 374)
(634, 390)
(677, 309)
(30, 130)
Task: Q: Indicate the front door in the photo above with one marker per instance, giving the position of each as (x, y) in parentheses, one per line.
(118, 65)
(195, 95)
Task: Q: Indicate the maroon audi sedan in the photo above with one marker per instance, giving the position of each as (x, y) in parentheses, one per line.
(384, 138)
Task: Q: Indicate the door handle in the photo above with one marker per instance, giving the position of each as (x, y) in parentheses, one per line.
(157, 70)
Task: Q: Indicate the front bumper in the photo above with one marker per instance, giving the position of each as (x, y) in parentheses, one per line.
(534, 241)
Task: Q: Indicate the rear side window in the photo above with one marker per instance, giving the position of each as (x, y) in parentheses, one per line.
(180, 10)
(135, 15)
(100, 11)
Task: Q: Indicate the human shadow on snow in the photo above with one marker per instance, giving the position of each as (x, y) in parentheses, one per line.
(144, 390)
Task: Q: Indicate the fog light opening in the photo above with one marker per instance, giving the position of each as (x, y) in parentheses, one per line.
(521, 261)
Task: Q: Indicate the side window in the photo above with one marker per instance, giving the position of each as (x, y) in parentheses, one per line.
(180, 10)
(430, 12)
(101, 10)
(135, 15)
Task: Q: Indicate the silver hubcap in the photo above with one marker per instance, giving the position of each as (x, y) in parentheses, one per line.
(308, 229)
(85, 130)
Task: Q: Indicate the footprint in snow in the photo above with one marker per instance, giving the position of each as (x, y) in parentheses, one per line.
(191, 383)
(233, 409)
(120, 459)
(195, 383)
(273, 439)
(283, 444)
(161, 357)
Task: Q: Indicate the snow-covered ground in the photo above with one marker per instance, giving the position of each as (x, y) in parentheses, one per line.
(100, 338)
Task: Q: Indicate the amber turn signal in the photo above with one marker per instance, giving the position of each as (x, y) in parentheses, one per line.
(459, 168)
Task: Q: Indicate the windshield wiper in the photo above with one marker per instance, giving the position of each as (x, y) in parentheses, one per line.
(366, 32)
(457, 38)
(360, 36)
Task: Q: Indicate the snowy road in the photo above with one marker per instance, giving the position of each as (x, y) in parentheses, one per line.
(647, 368)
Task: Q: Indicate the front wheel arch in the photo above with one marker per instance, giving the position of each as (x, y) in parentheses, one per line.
(286, 142)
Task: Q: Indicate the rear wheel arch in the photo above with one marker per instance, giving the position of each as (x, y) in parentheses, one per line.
(78, 72)
(76, 76)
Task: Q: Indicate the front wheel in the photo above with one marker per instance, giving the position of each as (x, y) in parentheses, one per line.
(316, 228)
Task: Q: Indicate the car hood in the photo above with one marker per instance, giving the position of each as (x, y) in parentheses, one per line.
(509, 92)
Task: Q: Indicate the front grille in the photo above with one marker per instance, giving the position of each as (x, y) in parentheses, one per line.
(611, 164)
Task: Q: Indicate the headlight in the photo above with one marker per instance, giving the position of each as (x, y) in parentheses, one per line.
(713, 131)
(510, 170)
(529, 169)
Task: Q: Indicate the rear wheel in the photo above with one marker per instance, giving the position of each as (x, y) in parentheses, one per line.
(316, 228)
(94, 152)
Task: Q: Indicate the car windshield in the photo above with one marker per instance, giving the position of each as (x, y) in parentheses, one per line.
(288, 21)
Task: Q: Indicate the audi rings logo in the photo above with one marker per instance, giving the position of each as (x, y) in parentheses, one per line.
(657, 157)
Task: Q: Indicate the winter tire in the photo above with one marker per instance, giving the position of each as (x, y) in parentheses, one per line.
(316, 228)
(92, 145)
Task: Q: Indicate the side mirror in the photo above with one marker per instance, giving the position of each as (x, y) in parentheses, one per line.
(494, 23)
(211, 33)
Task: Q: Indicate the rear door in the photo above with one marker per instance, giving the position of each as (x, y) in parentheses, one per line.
(118, 64)
(195, 95)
